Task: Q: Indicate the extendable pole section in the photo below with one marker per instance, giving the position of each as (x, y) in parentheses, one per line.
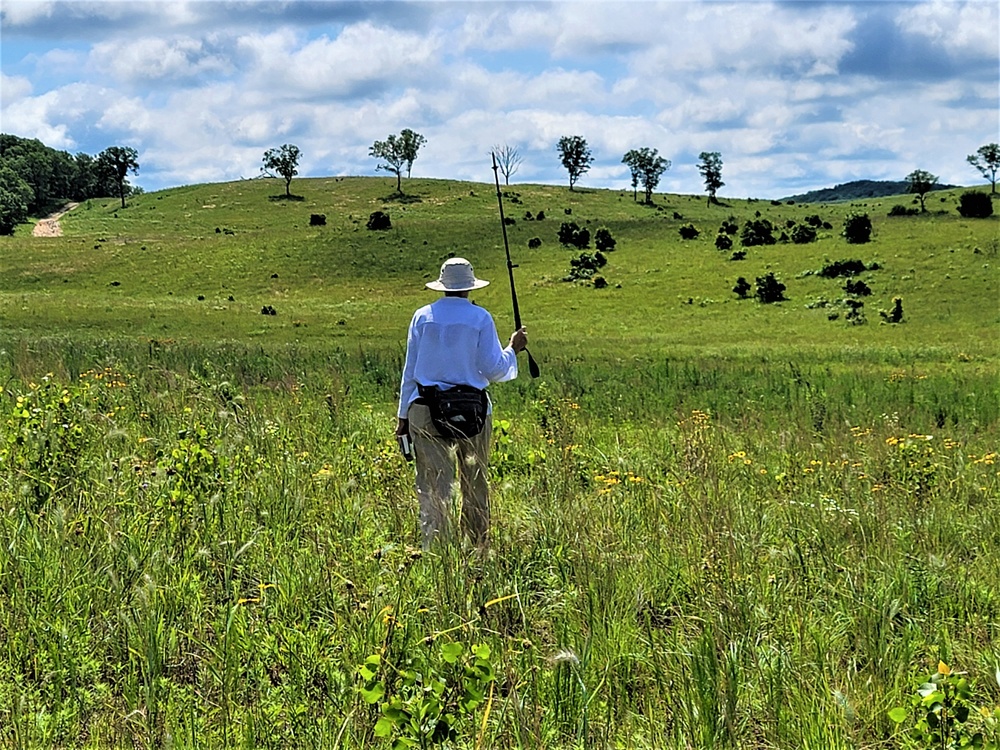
(532, 365)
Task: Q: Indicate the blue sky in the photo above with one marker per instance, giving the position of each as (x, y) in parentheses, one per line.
(794, 95)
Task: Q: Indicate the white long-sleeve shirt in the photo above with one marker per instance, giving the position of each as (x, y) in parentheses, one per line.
(453, 342)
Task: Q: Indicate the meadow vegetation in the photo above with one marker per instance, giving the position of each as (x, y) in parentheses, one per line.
(718, 522)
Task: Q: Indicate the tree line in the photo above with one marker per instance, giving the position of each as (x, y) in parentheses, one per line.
(33, 177)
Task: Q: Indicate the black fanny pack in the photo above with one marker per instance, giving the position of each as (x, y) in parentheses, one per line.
(458, 412)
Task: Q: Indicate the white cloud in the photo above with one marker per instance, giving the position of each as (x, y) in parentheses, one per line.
(960, 28)
(151, 59)
(21, 12)
(13, 88)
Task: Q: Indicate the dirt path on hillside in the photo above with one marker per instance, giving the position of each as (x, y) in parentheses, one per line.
(49, 226)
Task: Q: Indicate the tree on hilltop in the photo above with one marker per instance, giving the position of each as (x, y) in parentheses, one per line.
(920, 183)
(508, 160)
(398, 152)
(575, 156)
(647, 166)
(987, 161)
(284, 161)
(710, 167)
(117, 162)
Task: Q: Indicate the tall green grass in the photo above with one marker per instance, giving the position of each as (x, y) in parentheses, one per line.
(202, 546)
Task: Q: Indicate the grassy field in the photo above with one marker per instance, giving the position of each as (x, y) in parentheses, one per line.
(718, 523)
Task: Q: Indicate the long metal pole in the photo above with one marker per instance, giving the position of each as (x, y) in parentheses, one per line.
(532, 365)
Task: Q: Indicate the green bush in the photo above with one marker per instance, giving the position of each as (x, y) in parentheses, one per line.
(975, 205)
(757, 232)
(857, 229)
(769, 289)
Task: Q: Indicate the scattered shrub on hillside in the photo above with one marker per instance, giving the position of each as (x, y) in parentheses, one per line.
(540, 216)
(678, 216)
(534, 243)
(568, 211)
(857, 228)
(738, 255)
(572, 235)
(857, 288)
(856, 314)
(379, 221)
(268, 310)
(895, 315)
(689, 232)
(742, 288)
(898, 210)
(723, 242)
(528, 216)
(789, 223)
(769, 289)
(775, 202)
(975, 205)
(814, 221)
(604, 241)
(600, 282)
(729, 226)
(509, 221)
(834, 269)
(757, 232)
(803, 234)
(585, 265)
(317, 220)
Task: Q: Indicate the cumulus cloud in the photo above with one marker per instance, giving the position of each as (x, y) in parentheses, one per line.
(792, 94)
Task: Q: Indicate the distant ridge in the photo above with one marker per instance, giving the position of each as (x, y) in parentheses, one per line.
(851, 191)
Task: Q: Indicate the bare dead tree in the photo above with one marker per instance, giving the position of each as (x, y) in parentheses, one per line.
(508, 160)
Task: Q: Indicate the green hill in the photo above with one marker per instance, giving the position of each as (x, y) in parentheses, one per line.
(859, 190)
(200, 262)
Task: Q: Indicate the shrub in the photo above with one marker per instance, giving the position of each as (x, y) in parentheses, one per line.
(738, 255)
(729, 227)
(528, 216)
(898, 210)
(895, 315)
(857, 228)
(757, 232)
(857, 288)
(846, 268)
(600, 282)
(742, 288)
(571, 234)
(379, 221)
(604, 241)
(803, 234)
(689, 232)
(678, 216)
(540, 216)
(585, 265)
(769, 289)
(723, 242)
(814, 221)
(317, 220)
(509, 221)
(975, 205)
(534, 243)
(856, 314)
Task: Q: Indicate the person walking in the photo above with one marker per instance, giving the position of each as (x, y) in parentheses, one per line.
(452, 354)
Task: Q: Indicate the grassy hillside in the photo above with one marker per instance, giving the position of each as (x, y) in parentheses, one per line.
(139, 271)
(716, 522)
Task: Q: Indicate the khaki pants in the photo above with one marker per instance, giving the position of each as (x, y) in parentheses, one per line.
(437, 460)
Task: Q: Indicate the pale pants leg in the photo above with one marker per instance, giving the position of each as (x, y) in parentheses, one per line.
(437, 459)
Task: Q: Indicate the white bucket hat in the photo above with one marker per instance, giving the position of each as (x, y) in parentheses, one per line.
(456, 276)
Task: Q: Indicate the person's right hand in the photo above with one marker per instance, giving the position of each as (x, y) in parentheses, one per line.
(519, 339)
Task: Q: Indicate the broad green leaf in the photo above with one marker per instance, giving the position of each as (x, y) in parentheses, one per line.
(384, 727)
(898, 714)
(482, 651)
(451, 652)
(374, 693)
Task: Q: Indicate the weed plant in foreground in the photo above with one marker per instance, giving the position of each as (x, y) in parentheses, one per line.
(213, 548)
